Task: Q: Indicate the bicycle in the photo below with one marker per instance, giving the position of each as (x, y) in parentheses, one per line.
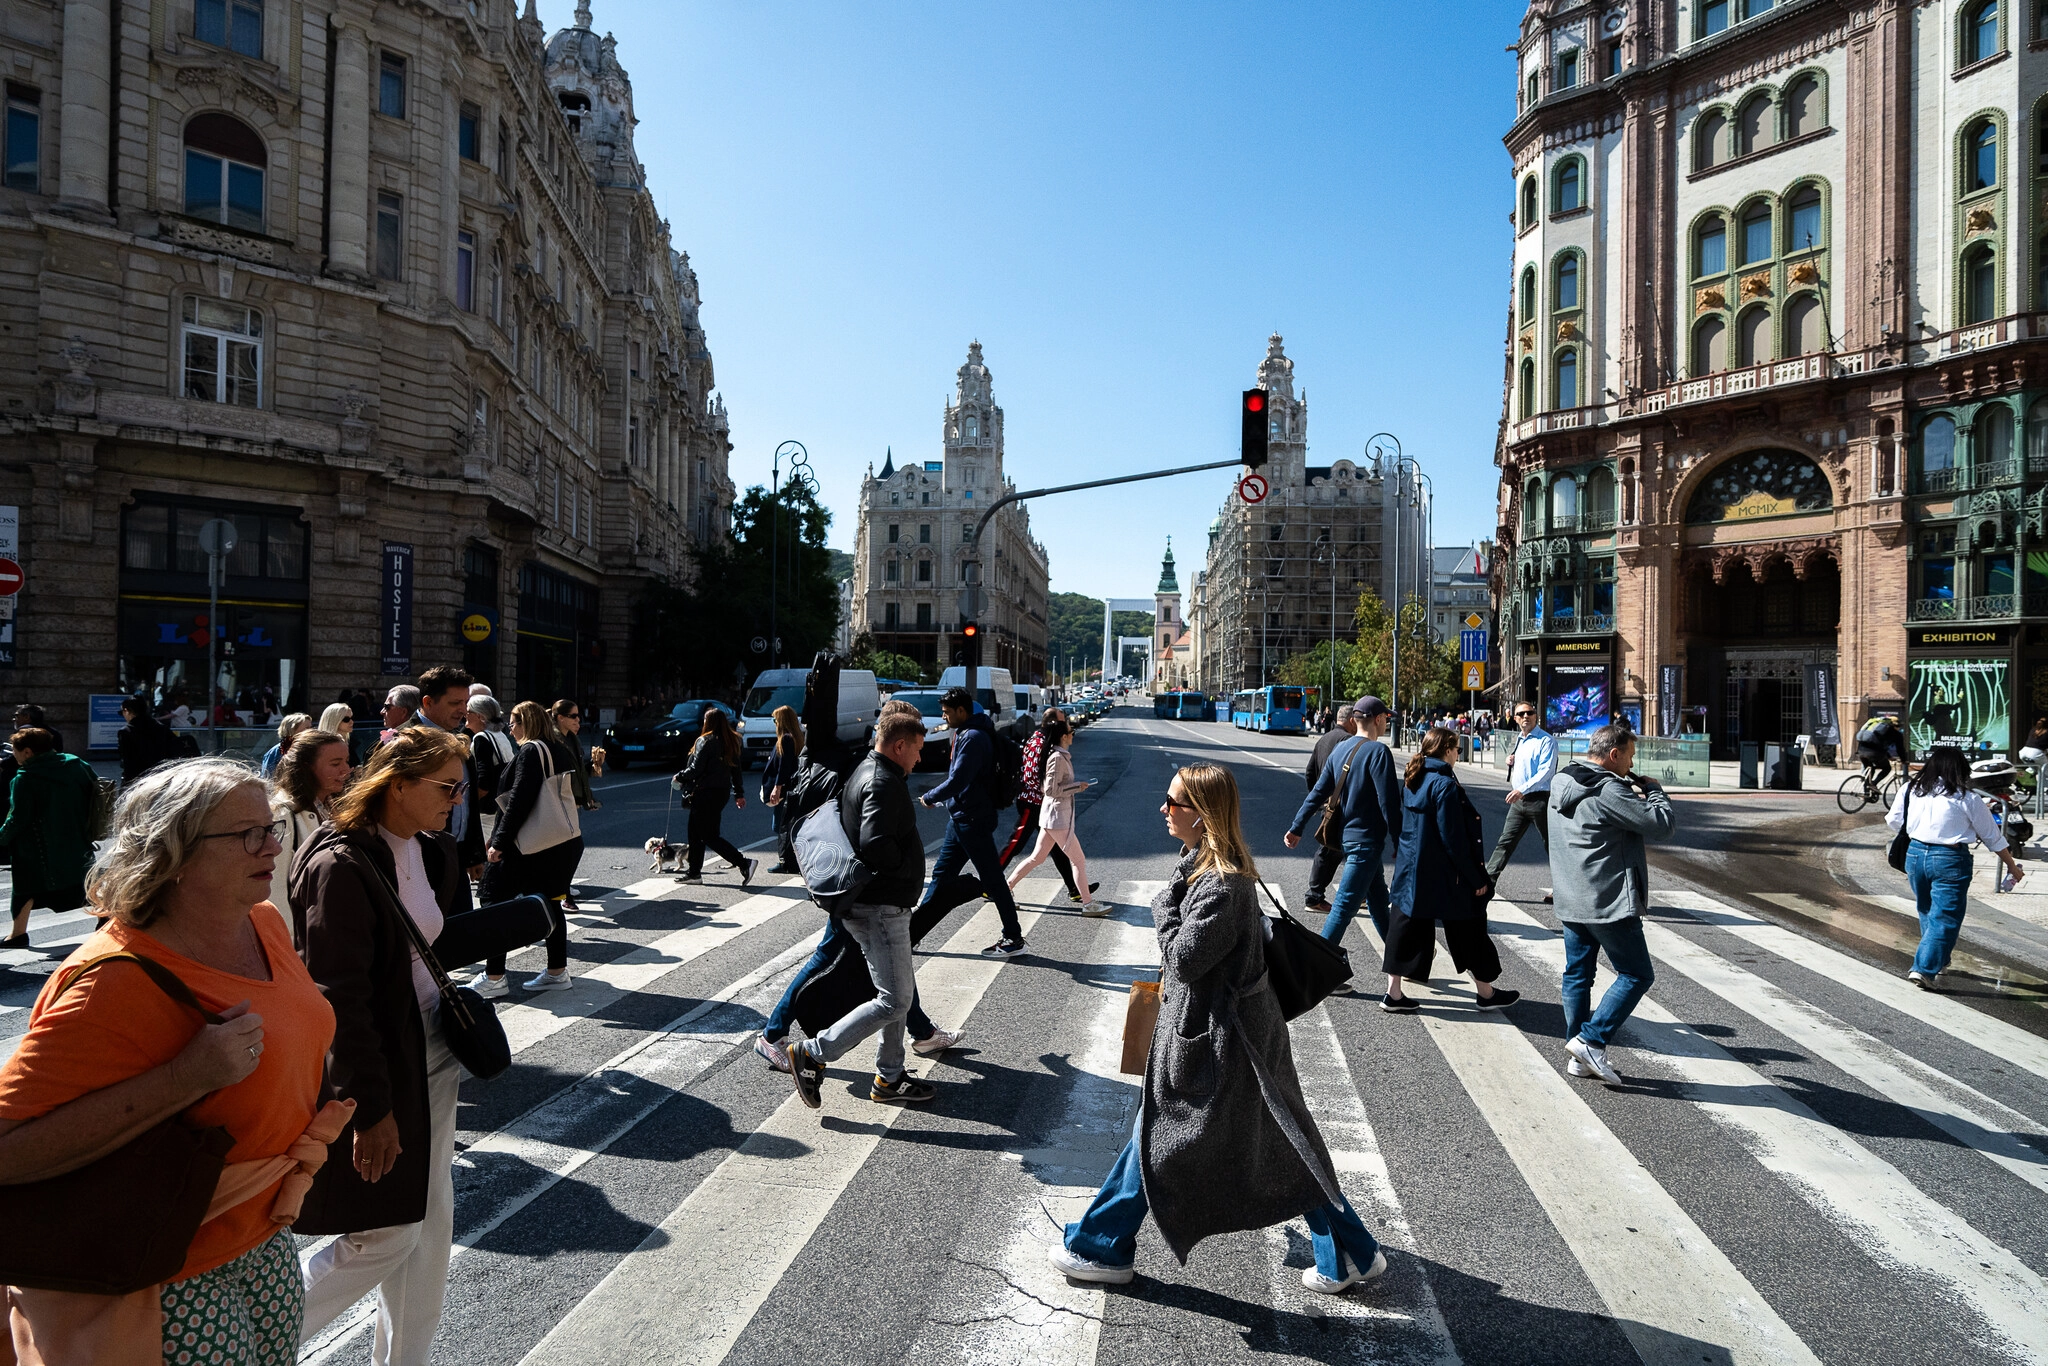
(1859, 790)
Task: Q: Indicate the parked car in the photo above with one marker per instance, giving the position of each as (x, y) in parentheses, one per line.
(658, 735)
(938, 740)
(859, 702)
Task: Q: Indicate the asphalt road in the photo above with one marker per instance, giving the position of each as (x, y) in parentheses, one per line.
(1810, 1161)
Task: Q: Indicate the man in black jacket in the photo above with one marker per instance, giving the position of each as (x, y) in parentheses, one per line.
(1328, 860)
(881, 824)
(969, 792)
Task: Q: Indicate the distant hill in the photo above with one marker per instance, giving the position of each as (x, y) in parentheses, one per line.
(841, 565)
(1074, 628)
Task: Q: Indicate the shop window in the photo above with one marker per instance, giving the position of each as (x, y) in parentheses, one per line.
(224, 165)
(221, 350)
(24, 151)
(233, 24)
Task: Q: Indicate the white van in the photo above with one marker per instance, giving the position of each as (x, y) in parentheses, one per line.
(859, 703)
(997, 693)
(1030, 706)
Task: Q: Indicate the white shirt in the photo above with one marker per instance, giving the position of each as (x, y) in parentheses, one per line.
(1534, 764)
(418, 896)
(1951, 818)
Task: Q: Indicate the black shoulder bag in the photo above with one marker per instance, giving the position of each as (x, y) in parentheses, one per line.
(1901, 842)
(474, 1033)
(1301, 966)
(125, 1222)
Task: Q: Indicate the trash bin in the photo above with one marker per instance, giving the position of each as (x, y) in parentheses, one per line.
(1781, 767)
(1748, 753)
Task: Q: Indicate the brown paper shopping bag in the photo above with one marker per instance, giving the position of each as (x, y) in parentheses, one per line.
(1139, 1018)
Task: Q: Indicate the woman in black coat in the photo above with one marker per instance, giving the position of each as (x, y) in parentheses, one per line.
(708, 781)
(1439, 877)
(537, 772)
(778, 774)
(388, 1187)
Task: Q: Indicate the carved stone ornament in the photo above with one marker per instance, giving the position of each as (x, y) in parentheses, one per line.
(1708, 299)
(1758, 556)
(1980, 220)
(76, 393)
(355, 433)
(1805, 273)
(1528, 343)
(1757, 286)
(1567, 330)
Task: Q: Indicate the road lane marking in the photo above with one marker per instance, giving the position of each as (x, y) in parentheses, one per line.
(684, 1296)
(2008, 1043)
(1002, 1303)
(1614, 1218)
(1880, 1211)
(1969, 1116)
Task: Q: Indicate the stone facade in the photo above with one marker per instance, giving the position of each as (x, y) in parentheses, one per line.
(1776, 327)
(1282, 574)
(917, 523)
(382, 285)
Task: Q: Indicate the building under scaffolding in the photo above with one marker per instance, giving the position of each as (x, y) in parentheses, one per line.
(1285, 573)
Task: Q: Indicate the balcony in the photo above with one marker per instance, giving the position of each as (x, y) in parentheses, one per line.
(1940, 481)
(1985, 607)
(1568, 624)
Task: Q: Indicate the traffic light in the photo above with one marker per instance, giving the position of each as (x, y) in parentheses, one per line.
(1252, 450)
(969, 630)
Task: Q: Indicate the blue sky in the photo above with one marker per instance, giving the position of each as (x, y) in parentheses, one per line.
(1120, 201)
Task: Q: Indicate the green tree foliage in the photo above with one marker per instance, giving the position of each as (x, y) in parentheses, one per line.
(886, 663)
(698, 639)
(1429, 669)
(1074, 629)
(1312, 670)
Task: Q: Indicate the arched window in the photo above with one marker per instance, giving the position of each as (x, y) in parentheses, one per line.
(1599, 499)
(1532, 507)
(1571, 191)
(1710, 255)
(1765, 483)
(1529, 202)
(1528, 294)
(1566, 293)
(1567, 394)
(1709, 346)
(1937, 445)
(1708, 139)
(1980, 32)
(1528, 395)
(224, 164)
(1994, 436)
(1564, 501)
(1753, 336)
(1756, 233)
(1802, 107)
(1804, 326)
(2041, 275)
(2037, 434)
(1980, 284)
(1980, 156)
(1802, 219)
(973, 428)
(1753, 124)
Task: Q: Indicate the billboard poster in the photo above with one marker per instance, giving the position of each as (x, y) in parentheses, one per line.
(1667, 699)
(395, 587)
(1575, 697)
(10, 549)
(1965, 702)
(103, 719)
(1820, 704)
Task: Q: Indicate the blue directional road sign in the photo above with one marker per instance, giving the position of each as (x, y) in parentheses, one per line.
(1471, 647)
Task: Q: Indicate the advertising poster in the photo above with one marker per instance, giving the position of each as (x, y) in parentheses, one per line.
(1667, 699)
(1820, 704)
(10, 549)
(103, 720)
(1576, 697)
(1964, 702)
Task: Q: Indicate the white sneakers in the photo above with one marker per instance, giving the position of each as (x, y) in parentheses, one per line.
(1095, 910)
(938, 1043)
(548, 981)
(1595, 1059)
(484, 985)
(1575, 1068)
(1081, 1269)
(1315, 1280)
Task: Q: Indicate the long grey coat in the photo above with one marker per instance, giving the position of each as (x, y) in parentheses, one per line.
(1215, 1157)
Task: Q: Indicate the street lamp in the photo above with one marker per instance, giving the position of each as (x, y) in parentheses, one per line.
(1330, 549)
(1397, 466)
(799, 473)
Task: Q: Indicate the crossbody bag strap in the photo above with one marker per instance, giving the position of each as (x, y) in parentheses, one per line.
(419, 941)
(166, 981)
(1285, 914)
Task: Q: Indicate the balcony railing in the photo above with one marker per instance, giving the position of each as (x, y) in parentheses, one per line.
(1995, 472)
(1940, 481)
(1568, 624)
(1984, 607)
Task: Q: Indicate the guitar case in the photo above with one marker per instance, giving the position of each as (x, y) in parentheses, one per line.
(843, 983)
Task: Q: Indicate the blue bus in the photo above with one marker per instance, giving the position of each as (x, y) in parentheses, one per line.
(1271, 708)
(1194, 706)
(1166, 705)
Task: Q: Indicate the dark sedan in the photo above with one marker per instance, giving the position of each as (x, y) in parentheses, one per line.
(658, 736)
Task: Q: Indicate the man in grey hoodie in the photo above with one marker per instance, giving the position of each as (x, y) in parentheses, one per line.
(1601, 812)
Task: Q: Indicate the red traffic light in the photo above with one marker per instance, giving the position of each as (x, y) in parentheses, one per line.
(1255, 402)
(1254, 429)
(969, 629)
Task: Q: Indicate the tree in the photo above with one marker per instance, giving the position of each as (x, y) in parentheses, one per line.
(1312, 670)
(1429, 668)
(885, 663)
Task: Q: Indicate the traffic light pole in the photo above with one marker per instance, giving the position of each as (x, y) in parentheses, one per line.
(971, 649)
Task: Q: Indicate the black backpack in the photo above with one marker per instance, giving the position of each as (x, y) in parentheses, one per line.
(1009, 776)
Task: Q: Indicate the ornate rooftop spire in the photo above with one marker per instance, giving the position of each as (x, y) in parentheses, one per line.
(1169, 582)
(582, 13)
(889, 462)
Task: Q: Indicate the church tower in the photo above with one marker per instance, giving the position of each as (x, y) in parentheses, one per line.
(1170, 665)
(1287, 417)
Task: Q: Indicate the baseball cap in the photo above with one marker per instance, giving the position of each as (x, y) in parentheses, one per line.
(1367, 707)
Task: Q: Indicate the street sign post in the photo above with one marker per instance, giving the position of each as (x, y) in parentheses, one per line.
(1473, 621)
(1475, 677)
(1253, 488)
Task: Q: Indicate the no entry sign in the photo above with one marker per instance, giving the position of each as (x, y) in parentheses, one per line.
(1253, 488)
(10, 578)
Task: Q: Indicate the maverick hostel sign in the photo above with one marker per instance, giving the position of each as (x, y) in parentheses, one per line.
(395, 588)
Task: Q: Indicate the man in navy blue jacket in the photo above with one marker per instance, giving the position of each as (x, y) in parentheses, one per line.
(1369, 805)
(969, 792)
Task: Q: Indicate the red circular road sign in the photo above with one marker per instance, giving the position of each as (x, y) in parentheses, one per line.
(1253, 488)
(10, 578)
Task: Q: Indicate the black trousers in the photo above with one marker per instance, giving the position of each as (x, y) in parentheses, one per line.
(704, 823)
(1531, 810)
(546, 875)
(1328, 863)
(1025, 838)
(1411, 947)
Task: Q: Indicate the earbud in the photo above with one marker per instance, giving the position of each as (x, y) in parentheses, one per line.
(1198, 822)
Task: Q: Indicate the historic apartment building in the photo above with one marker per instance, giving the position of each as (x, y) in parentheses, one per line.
(916, 529)
(381, 285)
(1776, 328)
(1282, 574)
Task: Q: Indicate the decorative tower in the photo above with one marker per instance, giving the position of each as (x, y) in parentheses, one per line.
(1169, 628)
(974, 434)
(1287, 416)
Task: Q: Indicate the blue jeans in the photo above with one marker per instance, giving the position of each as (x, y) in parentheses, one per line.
(883, 933)
(1630, 958)
(1362, 880)
(976, 844)
(777, 1027)
(1940, 877)
(1108, 1232)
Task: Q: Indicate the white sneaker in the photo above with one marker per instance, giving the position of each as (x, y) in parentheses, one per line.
(1922, 980)
(1575, 1068)
(548, 981)
(1081, 1269)
(1095, 910)
(1315, 1280)
(1595, 1058)
(938, 1043)
(488, 987)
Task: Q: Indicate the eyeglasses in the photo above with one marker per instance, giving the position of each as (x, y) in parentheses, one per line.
(570, 716)
(1185, 806)
(255, 837)
(456, 791)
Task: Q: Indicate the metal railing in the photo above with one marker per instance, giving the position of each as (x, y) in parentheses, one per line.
(1950, 480)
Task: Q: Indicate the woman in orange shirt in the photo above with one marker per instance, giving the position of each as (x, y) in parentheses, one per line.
(183, 882)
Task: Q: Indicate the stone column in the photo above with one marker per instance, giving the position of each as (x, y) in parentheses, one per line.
(87, 101)
(348, 205)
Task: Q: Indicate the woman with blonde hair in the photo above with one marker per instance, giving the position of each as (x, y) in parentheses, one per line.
(543, 757)
(338, 719)
(1220, 1084)
(311, 775)
(287, 728)
(109, 1054)
(388, 1188)
(777, 773)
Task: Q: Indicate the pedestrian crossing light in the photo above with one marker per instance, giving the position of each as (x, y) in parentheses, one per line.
(1252, 449)
(970, 629)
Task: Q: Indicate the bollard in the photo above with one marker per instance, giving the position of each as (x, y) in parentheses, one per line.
(1747, 753)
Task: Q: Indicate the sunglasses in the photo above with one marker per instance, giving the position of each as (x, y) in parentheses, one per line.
(254, 838)
(456, 790)
(1185, 806)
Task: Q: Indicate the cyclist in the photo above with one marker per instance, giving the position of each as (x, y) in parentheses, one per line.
(1876, 743)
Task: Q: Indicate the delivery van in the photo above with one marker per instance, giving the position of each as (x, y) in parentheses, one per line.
(860, 701)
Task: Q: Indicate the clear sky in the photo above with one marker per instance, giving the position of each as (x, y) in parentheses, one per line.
(1120, 201)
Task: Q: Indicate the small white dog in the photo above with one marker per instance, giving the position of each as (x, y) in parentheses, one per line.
(668, 858)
